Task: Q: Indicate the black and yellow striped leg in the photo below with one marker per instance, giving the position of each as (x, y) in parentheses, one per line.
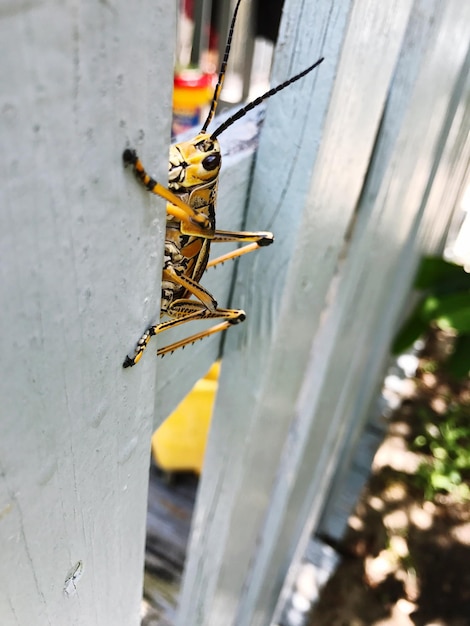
(194, 223)
(258, 240)
(197, 336)
(140, 347)
(197, 312)
(192, 286)
(183, 311)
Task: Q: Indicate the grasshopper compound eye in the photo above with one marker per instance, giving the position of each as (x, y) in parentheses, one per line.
(211, 162)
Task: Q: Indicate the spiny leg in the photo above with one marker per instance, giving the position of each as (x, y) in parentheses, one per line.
(195, 224)
(263, 238)
(259, 240)
(196, 337)
(231, 316)
(150, 332)
(185, 315)
(209, 302)
(183, 311)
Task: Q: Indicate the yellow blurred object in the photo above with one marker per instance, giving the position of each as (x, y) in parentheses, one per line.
(192, 95)
(180, 442)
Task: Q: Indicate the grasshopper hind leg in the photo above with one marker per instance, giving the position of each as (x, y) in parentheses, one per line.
(202, 335)
(182, 311)
(140, 347)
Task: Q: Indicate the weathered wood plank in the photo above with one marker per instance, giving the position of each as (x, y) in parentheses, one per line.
(446, 176)
(386, 244)
(384, 249)
(81, 254)
(284, 289)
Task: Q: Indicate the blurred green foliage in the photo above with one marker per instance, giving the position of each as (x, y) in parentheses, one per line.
(446, 441)
(444, 302)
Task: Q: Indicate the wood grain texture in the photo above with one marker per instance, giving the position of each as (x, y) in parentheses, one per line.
(357, 173)
(80, 244)
(417, 190)
(298, 376)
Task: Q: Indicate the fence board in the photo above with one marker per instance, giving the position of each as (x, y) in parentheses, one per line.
(341, 384)
(279, 400)
(81, 247)
(426, 109)
(265, 358)
(81, 255)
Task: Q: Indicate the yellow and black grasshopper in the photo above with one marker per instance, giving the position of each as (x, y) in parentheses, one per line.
(190, 228)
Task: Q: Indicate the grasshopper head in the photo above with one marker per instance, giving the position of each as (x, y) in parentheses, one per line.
(194, 162)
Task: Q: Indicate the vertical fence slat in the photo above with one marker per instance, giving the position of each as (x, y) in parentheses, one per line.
(350, 350)
(435, 182)
(265, 358)
(81, 259)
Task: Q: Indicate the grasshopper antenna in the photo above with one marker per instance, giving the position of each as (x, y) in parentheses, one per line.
(223, 67)
(251, 105)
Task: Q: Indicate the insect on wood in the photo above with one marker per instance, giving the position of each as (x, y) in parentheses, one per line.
(194, 168)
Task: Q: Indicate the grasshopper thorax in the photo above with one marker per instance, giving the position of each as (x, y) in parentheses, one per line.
(194, 162)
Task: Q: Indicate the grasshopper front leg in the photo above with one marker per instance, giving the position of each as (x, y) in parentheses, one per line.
(194, 223)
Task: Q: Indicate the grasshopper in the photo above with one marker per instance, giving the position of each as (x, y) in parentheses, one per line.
(193, 174)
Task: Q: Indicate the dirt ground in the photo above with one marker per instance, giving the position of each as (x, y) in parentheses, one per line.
(406, 560)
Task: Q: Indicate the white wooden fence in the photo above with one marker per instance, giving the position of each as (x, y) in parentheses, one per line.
(357, 172)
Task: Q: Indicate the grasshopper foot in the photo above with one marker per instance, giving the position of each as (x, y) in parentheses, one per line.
(128, 362)
(129, 157)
